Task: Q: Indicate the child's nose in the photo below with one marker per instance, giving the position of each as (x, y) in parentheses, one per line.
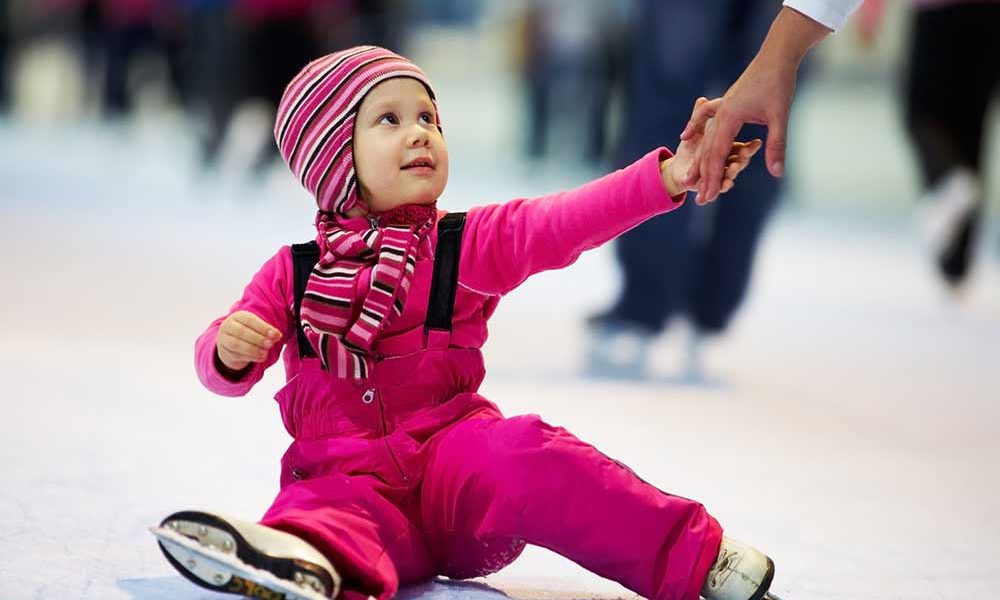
(418, 136)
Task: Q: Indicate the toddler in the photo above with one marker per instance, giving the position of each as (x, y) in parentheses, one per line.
(399, 470)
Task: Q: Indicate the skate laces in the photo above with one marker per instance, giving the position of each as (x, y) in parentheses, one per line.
(727, 560)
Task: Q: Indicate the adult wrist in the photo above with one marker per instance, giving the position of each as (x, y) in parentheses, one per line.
(791, 37)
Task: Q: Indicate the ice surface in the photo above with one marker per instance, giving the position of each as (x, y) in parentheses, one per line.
(850, 430)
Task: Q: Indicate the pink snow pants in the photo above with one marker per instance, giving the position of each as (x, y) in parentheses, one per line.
(407, 477)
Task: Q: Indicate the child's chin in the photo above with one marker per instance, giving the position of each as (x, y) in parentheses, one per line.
(422, 200)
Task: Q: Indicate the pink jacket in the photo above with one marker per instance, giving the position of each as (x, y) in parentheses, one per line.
(503, 244)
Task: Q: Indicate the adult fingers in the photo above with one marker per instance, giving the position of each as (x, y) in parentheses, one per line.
(718, 142)
(703, 111)
(775, 152)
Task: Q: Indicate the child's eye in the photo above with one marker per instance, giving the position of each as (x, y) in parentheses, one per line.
(389, 119)
(427, 118)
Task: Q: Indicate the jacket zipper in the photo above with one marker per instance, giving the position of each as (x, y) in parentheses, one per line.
(385, 437)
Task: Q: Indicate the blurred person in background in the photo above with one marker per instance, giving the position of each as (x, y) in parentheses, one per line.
(5, 44)
(381, 23)
(75, 24)
(131, 27)
(712, 288)
(450, 12)
(254, 47)
(571, 57)
(696, 263)
(954, 65)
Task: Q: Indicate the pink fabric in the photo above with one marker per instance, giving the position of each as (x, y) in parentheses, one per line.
(502, 245)
(412, 473)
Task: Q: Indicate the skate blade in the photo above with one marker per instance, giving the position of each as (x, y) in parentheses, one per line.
(226, 572)
(770, 596)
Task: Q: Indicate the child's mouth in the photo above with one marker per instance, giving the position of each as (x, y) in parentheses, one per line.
(421, 164)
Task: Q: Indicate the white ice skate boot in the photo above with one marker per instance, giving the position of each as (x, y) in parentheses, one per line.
(948, 221)
(740, 572)
(239, 557)
(944, 206)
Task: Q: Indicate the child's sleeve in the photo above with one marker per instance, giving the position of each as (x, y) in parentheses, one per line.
(504, 244)
(269, 296)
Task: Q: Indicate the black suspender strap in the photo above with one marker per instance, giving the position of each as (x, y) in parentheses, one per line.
(304, 258)
(444, 283)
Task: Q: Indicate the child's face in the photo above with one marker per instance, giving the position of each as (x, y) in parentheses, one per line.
(399, 154)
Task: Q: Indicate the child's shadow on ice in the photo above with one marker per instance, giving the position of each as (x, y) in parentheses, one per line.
(178, 588)
(447, 589)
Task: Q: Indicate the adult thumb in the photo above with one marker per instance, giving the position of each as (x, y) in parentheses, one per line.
(774, 152)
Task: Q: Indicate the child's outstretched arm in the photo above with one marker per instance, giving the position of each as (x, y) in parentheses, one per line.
(233, 352)
(506, 243)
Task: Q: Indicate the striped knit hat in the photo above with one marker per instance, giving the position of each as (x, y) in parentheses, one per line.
(315, 124)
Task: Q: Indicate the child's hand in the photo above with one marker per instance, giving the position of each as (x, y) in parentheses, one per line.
(674, 169)
(244, 338)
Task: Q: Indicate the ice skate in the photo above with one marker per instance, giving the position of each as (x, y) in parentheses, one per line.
(239, 557)
(616, 349)
(740, 572)
(948, 222)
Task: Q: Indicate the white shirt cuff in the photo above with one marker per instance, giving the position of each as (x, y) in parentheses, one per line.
(831, 13)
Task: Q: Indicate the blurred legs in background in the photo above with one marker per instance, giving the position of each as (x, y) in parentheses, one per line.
(952, 75)
(5, 43)
(128, 33)
(694, 262)
(252, 59)
(570, 67)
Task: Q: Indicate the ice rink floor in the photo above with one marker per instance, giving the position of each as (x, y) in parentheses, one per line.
(850, 429)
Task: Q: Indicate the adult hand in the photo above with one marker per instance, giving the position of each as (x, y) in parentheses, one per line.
(761, 95)
(674, 169)
(244, 338)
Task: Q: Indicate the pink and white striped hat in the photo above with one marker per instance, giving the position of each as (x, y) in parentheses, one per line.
(315, 123)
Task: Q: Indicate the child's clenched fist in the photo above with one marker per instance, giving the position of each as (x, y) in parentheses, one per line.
(244, 338)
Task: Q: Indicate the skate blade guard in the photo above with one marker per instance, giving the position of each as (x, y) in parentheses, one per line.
(211, 553)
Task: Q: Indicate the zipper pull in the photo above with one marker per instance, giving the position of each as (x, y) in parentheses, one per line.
(373, 221)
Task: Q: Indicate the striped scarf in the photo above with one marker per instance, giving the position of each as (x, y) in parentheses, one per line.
(342, 334)
(314, 130)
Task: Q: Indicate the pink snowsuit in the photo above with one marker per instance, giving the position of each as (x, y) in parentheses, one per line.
(412, 474)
